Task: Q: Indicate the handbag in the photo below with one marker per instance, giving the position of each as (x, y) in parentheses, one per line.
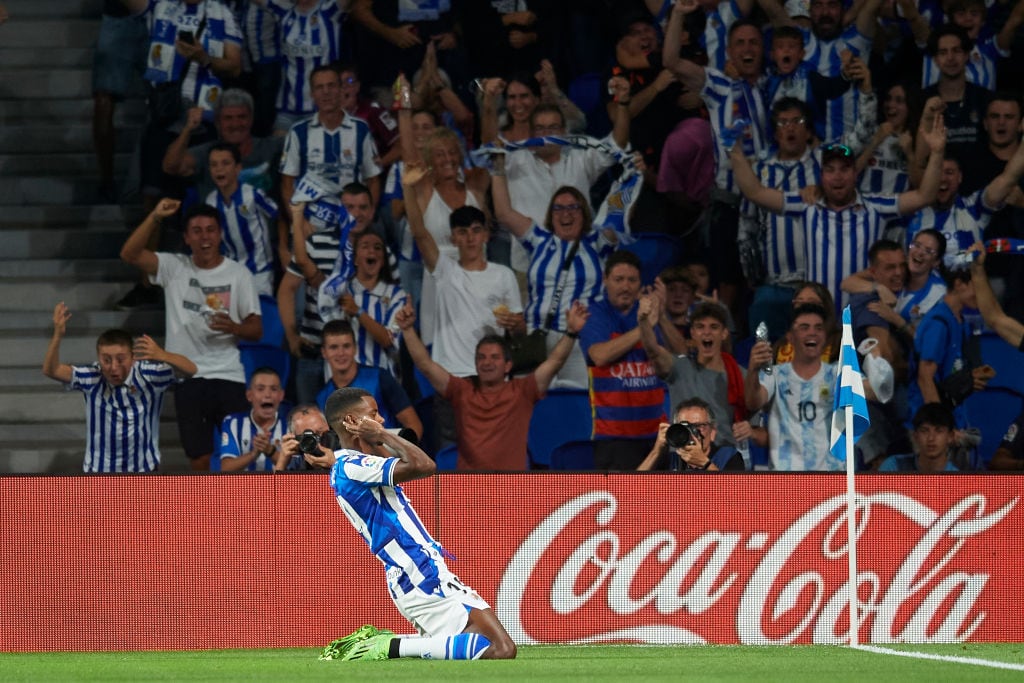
(530, 350)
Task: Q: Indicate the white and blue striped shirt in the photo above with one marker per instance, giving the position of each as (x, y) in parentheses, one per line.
(962, 224)
(306, 40)
(262, 34)
(248, 221)
(583, 282)
(800, 418)
(382, 303)
(163, 63)
(729, 100)
(335, 157)
(840, 113)
(912, 306)
(122, 423)
(886, 172)
(981, 67)
(237, 432)
(782, 236)
(378, 509)
(836, 243)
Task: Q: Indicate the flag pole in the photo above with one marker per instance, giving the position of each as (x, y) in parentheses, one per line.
(851, 533)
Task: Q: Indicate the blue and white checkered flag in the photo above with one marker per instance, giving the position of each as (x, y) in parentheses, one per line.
(849, 391)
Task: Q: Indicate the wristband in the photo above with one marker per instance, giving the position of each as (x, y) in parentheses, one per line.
(572, 335)
(707, 464)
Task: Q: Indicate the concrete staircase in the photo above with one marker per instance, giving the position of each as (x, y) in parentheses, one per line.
(59, 244)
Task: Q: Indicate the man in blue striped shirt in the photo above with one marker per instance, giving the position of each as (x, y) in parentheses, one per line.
(842, 224)
(123, 391)
(453, 621)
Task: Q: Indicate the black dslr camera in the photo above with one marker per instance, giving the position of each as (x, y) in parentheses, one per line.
(681, 435)
(310, 441)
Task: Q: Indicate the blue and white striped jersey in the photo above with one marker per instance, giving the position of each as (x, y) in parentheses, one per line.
(729, 100)
(840, 113)
(248, 218)
(962, 224)
(306, 40)
(886, 172)
(782, 236)
(384, 517)
(163, 63)
(381, 303)
(981, 65)
(583, 282)
(334, 158)
(122, 424)
(261, 33)
(836, 243)
(236, 434)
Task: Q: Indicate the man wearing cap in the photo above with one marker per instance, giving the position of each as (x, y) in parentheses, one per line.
(841, 224)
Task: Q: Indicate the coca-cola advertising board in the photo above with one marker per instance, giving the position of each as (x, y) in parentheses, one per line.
(109, 563)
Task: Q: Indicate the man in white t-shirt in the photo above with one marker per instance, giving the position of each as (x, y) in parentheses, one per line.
(211, 304)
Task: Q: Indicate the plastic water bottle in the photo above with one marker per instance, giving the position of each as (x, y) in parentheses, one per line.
(761, 334)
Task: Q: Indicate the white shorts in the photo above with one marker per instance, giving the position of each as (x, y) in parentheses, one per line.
(444, 612)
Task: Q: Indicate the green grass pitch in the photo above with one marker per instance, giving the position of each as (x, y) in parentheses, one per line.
(627, 663)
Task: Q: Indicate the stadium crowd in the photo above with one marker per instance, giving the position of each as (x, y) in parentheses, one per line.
(452, 205)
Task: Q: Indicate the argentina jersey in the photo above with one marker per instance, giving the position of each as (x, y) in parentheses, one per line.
(800, 414)
(384, 517)
(583, 280)
(308, 39)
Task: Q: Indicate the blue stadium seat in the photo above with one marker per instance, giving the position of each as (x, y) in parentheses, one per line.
(657, 251)
(446, 458)
(992, 411)
(585, 91)
(561, 416)
(575, 455)
(258, 355)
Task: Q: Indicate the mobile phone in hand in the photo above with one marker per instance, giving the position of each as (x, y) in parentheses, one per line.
(186, 36)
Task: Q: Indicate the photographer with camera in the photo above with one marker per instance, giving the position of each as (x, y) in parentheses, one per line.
(309, 443)
(688, 445)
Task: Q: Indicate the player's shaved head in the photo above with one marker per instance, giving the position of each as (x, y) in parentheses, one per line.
(343, 401)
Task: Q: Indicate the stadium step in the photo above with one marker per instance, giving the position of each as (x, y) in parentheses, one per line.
(61, 111)
(76, 163)
(21, 10)
(41, 295)
(62, 243)
(55, 138)
(84, 322)
(51, 33)
(40, 83)
(60, 57)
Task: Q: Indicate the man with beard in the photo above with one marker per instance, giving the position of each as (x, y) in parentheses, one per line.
(841, 221)
(627, 397)
(960, 219)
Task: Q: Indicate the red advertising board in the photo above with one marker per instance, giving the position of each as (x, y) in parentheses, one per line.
(124, 563)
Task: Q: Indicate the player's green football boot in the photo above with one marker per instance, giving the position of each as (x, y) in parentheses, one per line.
(375, 648)
(338, 648)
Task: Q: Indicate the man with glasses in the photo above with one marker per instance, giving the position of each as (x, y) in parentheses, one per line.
(841, 223)
(772, 245)
(699, 452)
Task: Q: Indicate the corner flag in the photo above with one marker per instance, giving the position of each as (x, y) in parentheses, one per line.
(849, 392)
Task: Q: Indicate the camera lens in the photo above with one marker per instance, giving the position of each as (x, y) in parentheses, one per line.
(309, 442)
(679, 435)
